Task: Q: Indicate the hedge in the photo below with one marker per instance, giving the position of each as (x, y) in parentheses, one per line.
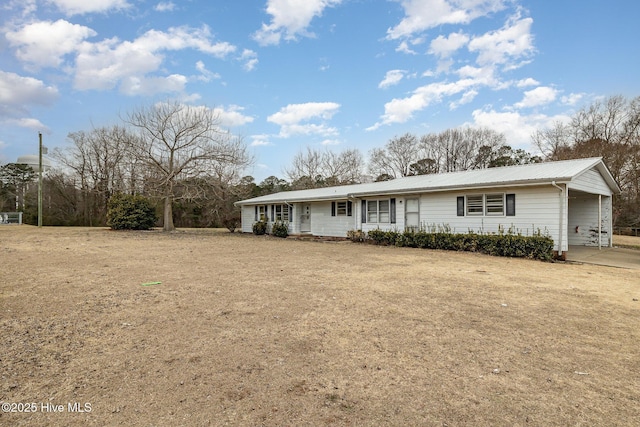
(507, 244)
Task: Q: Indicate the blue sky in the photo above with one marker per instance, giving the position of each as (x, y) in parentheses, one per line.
(335, 74)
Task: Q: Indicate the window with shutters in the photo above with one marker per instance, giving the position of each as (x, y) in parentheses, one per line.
(281, 213)
(342, 208)
(495, 204)
(381, 211)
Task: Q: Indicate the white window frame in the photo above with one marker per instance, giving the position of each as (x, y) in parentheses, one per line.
(377, 215)
(384, 216)
(478, 208)
(281, 213)
(372, 214)
(493, 202)
(341, 208)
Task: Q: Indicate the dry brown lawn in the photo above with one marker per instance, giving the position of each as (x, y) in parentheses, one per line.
(627, 241)
(247, 330)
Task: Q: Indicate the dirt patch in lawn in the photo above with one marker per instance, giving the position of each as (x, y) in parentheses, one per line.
(246, 330)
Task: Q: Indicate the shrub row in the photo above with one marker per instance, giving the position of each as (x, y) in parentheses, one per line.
(278, 228)
(501, 244)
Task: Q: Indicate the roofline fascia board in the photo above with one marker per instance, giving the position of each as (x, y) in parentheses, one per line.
(290, 201)
(529, 183)
(348, 196)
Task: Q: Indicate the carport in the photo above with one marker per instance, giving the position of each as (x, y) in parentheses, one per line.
(607, 256)
(590, 219)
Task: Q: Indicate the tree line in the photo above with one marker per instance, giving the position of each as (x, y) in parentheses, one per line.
(179, 157)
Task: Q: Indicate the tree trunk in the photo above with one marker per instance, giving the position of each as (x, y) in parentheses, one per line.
(168, 214)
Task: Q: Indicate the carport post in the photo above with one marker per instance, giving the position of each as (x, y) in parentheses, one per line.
(599, 221)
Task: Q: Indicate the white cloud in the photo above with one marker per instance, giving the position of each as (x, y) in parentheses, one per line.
(421, 15)
(404, 48)
(287, 131)
(250, 59)
(527, 82)
(572, 98)
(135, 85)
(105, 64)
(393, 77)
(26, 8)
(290, 19)
(45, 43)
(205, 75)
(516, 127)
(79, 7)
(446, 46)
(18, 92)
(165, 6)
(466, 98)
(28, 123)
(179, 38)
(232, 116)
(539, 96)
(401, 110)
(292, 118)
(295, 113)
(512, 41)
(260, 140)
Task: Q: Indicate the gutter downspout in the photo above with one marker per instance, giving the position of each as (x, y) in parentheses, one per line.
(561, 225)
(599, 221)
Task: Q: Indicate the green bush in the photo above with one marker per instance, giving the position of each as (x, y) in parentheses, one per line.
(130, 212)
(280, 229)
(260, 228)
(507, 244)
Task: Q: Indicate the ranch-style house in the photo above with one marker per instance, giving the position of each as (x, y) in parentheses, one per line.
(570, 200)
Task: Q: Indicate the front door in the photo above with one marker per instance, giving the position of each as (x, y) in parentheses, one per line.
(412, 214)
(305, 218)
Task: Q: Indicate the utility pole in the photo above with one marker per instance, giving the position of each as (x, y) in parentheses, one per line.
(40, 182)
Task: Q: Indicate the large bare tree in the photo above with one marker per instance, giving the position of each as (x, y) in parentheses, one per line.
(181, 143)
(315, 168)
(396, 157)
(461, 148)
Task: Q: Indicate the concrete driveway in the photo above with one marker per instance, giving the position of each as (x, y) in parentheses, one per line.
(612, 257)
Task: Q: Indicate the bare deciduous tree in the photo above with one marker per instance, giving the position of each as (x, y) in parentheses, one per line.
(100, 163)
(396, 157)
(180, 143)
(315, 168)
(461, 149)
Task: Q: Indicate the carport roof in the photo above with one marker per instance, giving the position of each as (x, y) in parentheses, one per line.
(536, 173)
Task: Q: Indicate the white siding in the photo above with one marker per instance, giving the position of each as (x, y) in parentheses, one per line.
(323, 224)
(248, 215)
(537, 210)
(583, 219)
(592, 182)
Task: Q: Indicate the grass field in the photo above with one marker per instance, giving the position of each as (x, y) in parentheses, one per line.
(246, 330)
